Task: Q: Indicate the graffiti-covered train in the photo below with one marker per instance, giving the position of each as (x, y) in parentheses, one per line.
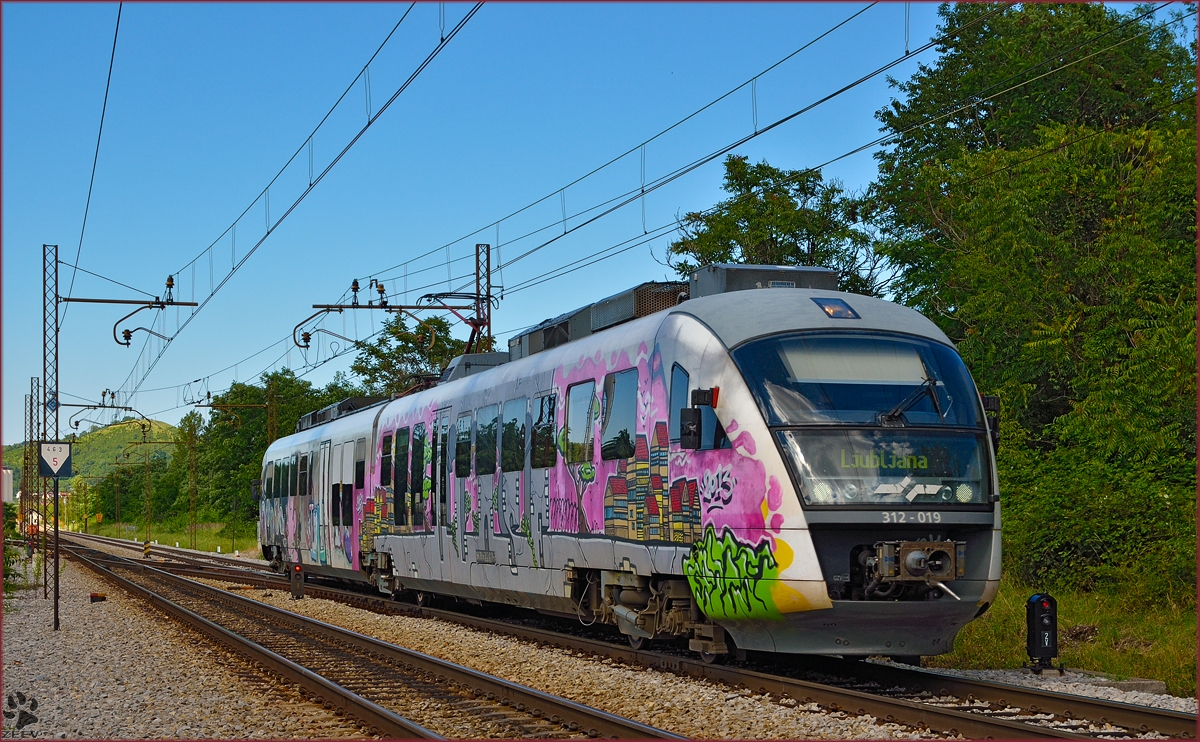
(751, 456)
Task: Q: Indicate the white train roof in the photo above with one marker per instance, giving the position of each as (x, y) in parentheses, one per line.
(739, 316)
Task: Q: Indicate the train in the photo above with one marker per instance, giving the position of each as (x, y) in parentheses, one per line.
(747, 460)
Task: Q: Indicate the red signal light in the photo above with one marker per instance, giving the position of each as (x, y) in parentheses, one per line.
(1045, 603)
(297, 567)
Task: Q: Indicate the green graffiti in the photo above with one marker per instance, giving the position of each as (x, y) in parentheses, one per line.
(529, 540)
(587, 472)
(729, 578)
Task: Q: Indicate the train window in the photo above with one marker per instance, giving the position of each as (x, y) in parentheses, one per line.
(385, 461)
(269, 478)
(401, 488)
(360, 463)
(462, 446)
(417, 484)
(679, 399)
(294, 479)
(485, 440)
(579, 422)
(303, 488)
(512, 436)
(347, 505)
(620, 415)
(544, 453)
(335, 490)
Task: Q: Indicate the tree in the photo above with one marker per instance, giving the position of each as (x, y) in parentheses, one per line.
(389, 364)
(958, 106)
(782, 217)
(1050, 232)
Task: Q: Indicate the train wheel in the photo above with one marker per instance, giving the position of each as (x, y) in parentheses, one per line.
(712, 658)
(638, 642)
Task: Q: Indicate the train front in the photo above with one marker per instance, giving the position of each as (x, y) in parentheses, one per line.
(888, 447)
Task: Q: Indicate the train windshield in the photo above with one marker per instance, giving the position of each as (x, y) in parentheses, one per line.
(859, 378)
(888, 467)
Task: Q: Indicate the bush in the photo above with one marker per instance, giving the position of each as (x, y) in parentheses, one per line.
(1076, 523)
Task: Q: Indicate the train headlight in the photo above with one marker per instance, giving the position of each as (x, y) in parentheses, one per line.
(946, 494)
(964, 493)
(850, 491)
(822, 492)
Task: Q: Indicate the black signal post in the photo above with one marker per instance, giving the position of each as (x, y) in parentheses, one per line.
(1041, 632)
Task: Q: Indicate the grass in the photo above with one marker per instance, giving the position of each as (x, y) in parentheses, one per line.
(1140, 641)
(208, 535)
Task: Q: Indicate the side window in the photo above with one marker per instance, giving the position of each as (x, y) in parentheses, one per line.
(486, 424)
(385, 461)
(335, 487)
(579, 422)
(294, 479)
(402, 497)
(417, 481)
(269, 479)
(620, 415)
(512, 436)
(679, 399)
(360, 463)
(303, 489)
(544, 453)
(462, 446)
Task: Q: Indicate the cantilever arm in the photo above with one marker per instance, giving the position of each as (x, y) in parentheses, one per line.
(127, 333)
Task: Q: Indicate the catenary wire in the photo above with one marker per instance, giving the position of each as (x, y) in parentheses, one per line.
(104, 278)
(95, 158)
(375, 117)
(563, 270)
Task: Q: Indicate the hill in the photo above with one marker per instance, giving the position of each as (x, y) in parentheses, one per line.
(95, 453)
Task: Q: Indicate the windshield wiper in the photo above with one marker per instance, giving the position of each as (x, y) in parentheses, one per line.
(928, 386)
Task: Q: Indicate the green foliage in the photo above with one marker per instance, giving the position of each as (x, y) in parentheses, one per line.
(389, 363)
(1051, 233)
(10, 520)
(782, 217)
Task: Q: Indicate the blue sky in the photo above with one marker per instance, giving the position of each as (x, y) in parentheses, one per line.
(208, 102)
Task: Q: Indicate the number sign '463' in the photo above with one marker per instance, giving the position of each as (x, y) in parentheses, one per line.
(54, 460)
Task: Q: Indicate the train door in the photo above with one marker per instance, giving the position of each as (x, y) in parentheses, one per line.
(441, 467)
(353, 511)
(292, 505)
(318, 510)
(340, 555)
(333, 515)
(509, 502)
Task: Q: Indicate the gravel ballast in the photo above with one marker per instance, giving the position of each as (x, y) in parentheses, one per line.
(1075, 683)
(119, 669)
(686, 706)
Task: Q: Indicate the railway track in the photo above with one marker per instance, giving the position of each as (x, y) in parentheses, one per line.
(919, 698)
(377, 684)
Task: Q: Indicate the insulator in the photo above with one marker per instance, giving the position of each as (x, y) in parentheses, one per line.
(170, 282)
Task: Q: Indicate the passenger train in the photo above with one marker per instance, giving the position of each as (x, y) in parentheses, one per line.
(749, 460)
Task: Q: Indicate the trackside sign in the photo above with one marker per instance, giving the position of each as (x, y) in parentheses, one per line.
(54, 460)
